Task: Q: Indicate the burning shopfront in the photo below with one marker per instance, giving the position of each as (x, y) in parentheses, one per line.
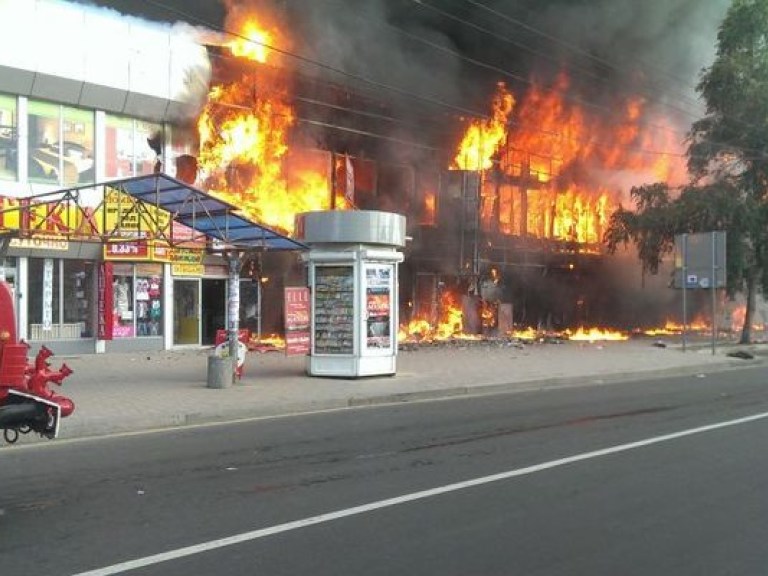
(505, 212)
(505, 227)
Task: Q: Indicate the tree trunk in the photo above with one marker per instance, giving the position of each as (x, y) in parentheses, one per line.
(746, 330)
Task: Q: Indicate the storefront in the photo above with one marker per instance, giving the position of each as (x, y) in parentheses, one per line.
(199, 308)
(98, 304)
(120, 275)
(54, 285)
(138, 303)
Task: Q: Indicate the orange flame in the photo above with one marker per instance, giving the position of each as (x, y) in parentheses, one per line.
(449, 326)
(484, 137)
(266, 342)
(672, 328)
(529, 333)
(595, 334)
(244, 156)
(429, 207)
(451, 319)
(488, 313)
(252, 43)
(563, 163)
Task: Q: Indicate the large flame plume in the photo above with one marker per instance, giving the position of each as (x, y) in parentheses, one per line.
(559, 161)
(244, 131)
(484, 137)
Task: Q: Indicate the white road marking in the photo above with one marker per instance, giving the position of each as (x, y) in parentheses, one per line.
(389, 502)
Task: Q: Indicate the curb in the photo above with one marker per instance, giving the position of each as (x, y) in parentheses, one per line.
(95, 428)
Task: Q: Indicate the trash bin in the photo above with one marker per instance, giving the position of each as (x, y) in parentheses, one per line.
(220, 371)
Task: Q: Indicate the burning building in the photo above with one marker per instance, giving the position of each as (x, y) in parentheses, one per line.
(287, 111)
(511, 213)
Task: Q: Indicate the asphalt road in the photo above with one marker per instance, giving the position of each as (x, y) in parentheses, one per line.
(659, 477)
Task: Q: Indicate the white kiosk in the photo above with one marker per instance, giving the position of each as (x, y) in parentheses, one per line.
(352, 263)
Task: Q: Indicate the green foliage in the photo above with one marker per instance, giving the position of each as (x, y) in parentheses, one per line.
(731, 141)
(651, 227)
(727, 160)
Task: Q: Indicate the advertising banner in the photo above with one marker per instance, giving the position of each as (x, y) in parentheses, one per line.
(133, 250)
(105, 302)
(378, 282)
(297, 322)
(47, 295)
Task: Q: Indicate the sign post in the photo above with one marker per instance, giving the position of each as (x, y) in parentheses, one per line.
(233, 301)
(700, 264)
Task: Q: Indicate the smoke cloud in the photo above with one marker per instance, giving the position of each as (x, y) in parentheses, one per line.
(426, 46)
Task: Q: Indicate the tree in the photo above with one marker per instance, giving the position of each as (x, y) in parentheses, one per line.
(727, 160)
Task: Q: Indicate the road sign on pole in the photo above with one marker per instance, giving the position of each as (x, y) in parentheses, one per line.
(700, 265)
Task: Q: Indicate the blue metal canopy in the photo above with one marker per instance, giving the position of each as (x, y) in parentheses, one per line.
(202, 212)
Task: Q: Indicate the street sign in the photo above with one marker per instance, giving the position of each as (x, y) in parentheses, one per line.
(700, 265)
(700, 259)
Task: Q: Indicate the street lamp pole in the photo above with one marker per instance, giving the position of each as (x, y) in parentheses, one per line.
(234, 262)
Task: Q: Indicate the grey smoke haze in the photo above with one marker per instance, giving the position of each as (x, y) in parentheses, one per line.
(670, 41)
(662, 43)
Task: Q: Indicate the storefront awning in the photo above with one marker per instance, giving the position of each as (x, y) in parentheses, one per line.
(203, 213)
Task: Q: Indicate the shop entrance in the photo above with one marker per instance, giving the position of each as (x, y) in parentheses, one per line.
(186, 311)
(214, 308)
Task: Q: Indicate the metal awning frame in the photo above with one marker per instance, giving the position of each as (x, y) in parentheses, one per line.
(151, 195)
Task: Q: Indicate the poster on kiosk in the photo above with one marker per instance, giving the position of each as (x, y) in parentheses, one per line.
(378, 308)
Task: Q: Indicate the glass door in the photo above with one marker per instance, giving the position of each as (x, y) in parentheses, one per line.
(186, 311)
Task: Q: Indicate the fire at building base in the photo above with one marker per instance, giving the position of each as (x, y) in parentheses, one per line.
(505, 210)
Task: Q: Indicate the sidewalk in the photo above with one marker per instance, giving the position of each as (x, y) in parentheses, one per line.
(140, 391)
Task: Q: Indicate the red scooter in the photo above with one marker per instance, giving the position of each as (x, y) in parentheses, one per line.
(27, 404)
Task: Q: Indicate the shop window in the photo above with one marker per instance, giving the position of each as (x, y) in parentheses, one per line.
(137, 297)
(44, 123)
(128, 151)
(119, 147)
(122, 298)
(179, 145)
(78, 295)
(146, 157)
(9, 146)
(53, 282)
(60, 144)
(76, 146)
(250, 305)
(43, 298)
(149, 302)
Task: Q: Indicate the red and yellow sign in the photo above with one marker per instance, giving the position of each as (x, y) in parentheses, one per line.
(136, 250)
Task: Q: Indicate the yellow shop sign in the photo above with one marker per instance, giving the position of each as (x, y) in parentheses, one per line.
(187, 269)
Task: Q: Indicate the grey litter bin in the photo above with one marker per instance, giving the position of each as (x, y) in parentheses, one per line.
(220, 371)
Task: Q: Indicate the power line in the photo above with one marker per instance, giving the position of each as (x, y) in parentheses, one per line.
(532, 51)
(577, 100)
(356, 77)
(511, 123)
